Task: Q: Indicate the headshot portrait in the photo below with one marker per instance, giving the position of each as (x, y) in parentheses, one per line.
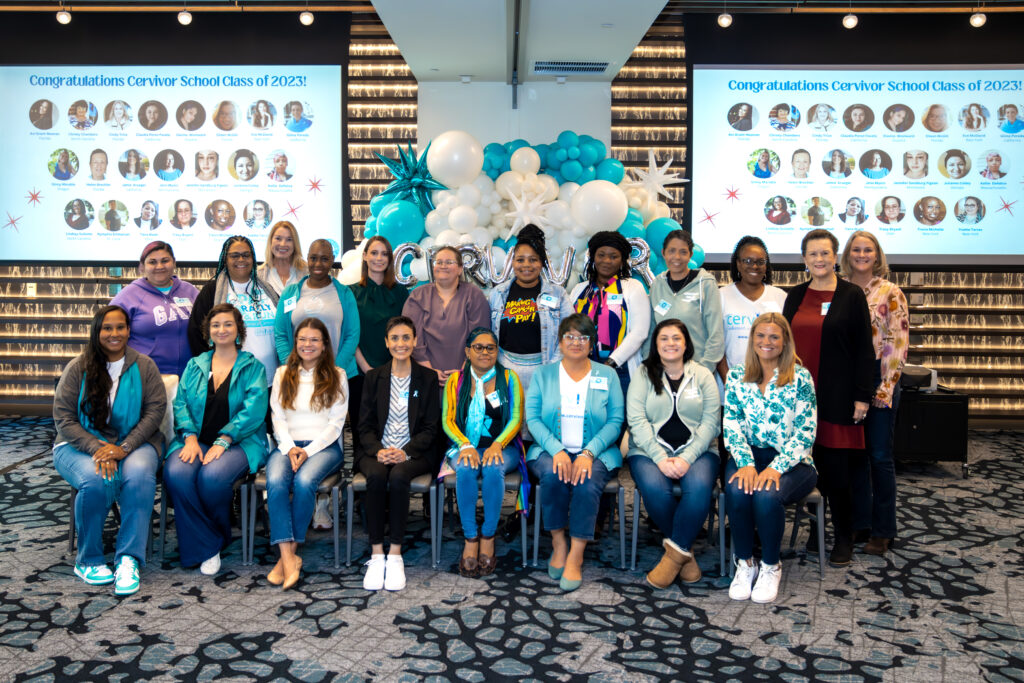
(278, 162)
(207, 165)
(969, 210)
(149, 216)
(63, 164)
(242, 165)
(742, 116)
(40, 114)
(929, 210)
(225, 116)
(117, 115)
(973, 117)
(97, 165)
(854, 213)
(190, 115)
(784, 117)
(875, 164)
(220, 215)
(822, 117)
(838, 164)
(78, 214)
(82, 115)
(1009, 121)
(816, 211)
(935, 118)
(152, 115)
(257, 214)
(890, 210)
(801, 161)
(261, 114)
(779, 210)
(858, 117)
(115, 215)
(182, 214)
(954, 164)
(298, 116)
(915, 164)
(763, 163)
(898, 118)
(169, 164)
(133, 165)
(992, 166)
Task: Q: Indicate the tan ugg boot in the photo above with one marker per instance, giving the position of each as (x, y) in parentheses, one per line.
(690, 571)
(666, 571)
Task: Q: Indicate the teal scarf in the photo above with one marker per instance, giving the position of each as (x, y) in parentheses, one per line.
(124, 415)
(475, 416)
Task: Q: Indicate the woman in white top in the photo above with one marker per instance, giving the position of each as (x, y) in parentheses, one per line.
(283, 264)
(308, 404)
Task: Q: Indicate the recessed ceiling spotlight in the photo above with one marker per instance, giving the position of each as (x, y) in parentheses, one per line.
(63, 17)
(850, 20)
(725, 20)
(978, 19)
(184, 17)
(306, 18)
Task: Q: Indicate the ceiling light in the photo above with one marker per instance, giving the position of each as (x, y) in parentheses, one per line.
(850, 20)
(725, 20)
(63, 17)
(184, 17)
(306, 18)
(978, 19)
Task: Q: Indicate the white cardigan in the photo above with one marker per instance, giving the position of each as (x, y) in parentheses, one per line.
(638, 321)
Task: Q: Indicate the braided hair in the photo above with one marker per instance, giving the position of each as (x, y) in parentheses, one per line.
(533, 237)
(734, 262)
(222, 264)
(609, 238)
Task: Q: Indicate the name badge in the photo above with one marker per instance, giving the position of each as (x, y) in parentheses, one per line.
(548, 301)
(614, 299)
(599, 383)
(824, 307)
(493, 399)
(181, 301)
(663, 307)
(289, 304)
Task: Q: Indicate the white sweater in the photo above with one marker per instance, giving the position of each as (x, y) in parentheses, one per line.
(303, 424)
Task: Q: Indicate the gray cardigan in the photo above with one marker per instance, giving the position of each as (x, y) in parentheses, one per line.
(154, 406)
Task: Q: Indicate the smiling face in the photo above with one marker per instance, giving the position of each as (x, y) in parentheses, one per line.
(752, 263)
(820, 258)
(837, 160)
(189, 113)
(280, 164)
(897, 117)
(169, 162)
(98, 165)
(261, 107)
(377, 257)
(936, 119)
(932, 209)
(857, 117)
(62, 159)
(183, 213)
(1011, 113)
(133, 160)
(320, 259)
(113, 335)
(993, 161)
(526, 265)
(767, 339)
(763, 159)
(863, 255)
(777, 203)
(244, 167)
(801, 164)
(853, 206)
(152, 114)
(296, 111)
(223, 330)
(77, 208)
(971, 206)
(118, 109)
(282, 246)
(821, 115)
(81, 112)
(221, 213)
(607, 262)
(876, 160)
(240, 262)
(148, 211)
(574, 345)
(259, 211)
(309, 344)
(446, 267)
(956, 167)
(400, 341)
(671, 344)
(158, 267)
(482, 353)
(891, 209)
(226, 116)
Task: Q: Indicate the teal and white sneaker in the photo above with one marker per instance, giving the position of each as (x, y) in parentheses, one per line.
(95, 575)
(126, 576)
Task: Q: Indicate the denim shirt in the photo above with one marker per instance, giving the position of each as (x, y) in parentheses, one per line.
(550, 318)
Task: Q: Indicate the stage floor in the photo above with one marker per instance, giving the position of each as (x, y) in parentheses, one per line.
(945, 605)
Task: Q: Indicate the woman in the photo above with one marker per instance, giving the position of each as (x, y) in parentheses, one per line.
(779, 213)
(41, 115)
(973, 211)
(526, 310)
(575, 411)
(769, 427)
(898, 118)
(936, 119)
(854, 213)
(616, 303)
(398, 427)
(993, 166)
(482, 415)
(131, 168)
(245, 165)
(207, 165)
(107, 410)
(832, 332)
(148, 218)
(260, 217)
(283, 264)
(864, 265)
(224, 116)
(63, 170)
(837, 167)
(190, 115)
(159, 306)
(915, 164)
(892, 210)
(957, 164)
(153, 116)
(741, 117)
(822, 118)
(690, 296)
(235, 282)
(167, 166)
(78, 218)
(877, 169)
(974, 118)
(262, 119)
(446, 309)
(116, 115)
(220, 435)
(673, 412)
(764, 168)
(308, 405)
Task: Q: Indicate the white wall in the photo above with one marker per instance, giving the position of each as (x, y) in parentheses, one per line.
(485, 111)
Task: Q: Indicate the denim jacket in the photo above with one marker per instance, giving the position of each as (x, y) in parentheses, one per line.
(549, 317)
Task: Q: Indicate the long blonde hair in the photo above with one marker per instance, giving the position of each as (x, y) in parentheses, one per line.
(298, 263)
(752, 371)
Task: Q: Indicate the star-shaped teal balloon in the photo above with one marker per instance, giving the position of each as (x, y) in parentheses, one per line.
(412, 179)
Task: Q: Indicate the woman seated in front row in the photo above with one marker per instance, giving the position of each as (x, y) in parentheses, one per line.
(219, 416)
(483, 413)
(574, 410)
(308, 405)
(398, 427)
(107, 410)
(673, 413)
(769, 424)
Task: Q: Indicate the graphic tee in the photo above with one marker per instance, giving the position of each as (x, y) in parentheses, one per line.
(519, 327)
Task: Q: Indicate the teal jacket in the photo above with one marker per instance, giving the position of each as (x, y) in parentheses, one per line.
(247, 400)
(344, 349)
(602, 424)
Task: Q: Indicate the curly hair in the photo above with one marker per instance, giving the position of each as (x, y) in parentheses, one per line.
(235, 313)
(746, 241)
(608, 238)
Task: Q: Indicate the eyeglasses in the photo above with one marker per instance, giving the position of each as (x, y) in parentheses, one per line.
(754, 261)
(484, 348)
(310, 340)
(446, 263)
(245, 256)
(574, 338)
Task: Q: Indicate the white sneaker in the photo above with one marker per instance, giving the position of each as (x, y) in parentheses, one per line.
(210, 566)
(739, 589)
(322, 520)
(767, 587)
(126, 576)
(394, 577)
(373, 580)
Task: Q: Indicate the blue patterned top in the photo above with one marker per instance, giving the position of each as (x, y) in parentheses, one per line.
(783, 418)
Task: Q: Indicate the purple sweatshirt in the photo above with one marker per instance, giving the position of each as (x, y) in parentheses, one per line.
(159, 322)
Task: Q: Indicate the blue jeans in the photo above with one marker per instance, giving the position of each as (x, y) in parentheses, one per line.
(567, 505)
(874, 479)
(291, 496)
(678, 521)
(202, 495)
(764, 509)
(134, 498)
(468, 487)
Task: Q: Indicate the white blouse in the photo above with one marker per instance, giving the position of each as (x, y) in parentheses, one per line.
(320, 428)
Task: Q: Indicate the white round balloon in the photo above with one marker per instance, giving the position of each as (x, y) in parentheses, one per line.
(448, 237)
(599, 205)
(455, 158)
(525, 160)
(483, 215)
(435, 223)
(484, 183)
(469, 195)
(567, 190)
(480, 236)
(419, 269)
(509, 183)
(427, 242)
(462, 219)
(550, 187)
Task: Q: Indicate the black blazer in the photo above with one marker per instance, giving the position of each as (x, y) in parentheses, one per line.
(424, 412)
(846, 367)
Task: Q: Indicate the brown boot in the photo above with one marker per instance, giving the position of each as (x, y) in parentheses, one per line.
(666, 571)
(877, 545)
(690, 571)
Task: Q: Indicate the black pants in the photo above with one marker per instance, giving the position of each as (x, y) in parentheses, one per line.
(392, 481)
(835, 469)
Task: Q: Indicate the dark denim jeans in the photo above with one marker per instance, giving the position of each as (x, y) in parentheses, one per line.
(874, 479)
(567, 505)
(678, 520)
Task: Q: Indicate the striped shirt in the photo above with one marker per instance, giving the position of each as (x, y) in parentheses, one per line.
(396, 431)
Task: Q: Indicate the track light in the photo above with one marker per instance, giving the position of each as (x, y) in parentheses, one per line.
(184, 17)
(850, 20)
(978, 19)
(306, 18)
(725, 20)
(63, 16)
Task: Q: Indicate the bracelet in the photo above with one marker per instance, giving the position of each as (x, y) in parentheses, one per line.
(219, 441)
(587, 454)
(465, 446)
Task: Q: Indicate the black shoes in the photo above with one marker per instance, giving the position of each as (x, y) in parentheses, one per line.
(842, 553)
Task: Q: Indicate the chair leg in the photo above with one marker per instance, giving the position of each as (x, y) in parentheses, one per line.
(434, 537)
(245, 524)
(536, 523)
(71, 522)
(337, 532)
(622, 528)
(637, 502)
(349, 504)
(821, 537)
(721, 534)
(797, 516)
(440, 523)
(252, 524)
(522, 535)
(163, 521)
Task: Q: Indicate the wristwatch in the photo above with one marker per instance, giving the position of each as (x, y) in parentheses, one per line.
(125, 448)
(587, 453)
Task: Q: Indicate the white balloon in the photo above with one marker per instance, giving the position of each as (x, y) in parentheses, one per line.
(497, 221)
(466, 239)
(441, 195)
(498, 256)
(351, 275)
(448, 237)
(351, 256)
(468, 195)
(579, 231)
(649, 210)
(567, 190)
(419, 268)
(525, 160)
(483, 215)
(480, 236)
(443, 209)
(509, 183)
(436, 222)
(599, 205)
(550, 187)
(495, 207)
(484, 183)
(565, 239)
(427, 242)
(455, 158)
(557, 212)
(463, 219)
(662, 210)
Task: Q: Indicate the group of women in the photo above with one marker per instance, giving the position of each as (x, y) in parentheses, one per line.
(527, 378)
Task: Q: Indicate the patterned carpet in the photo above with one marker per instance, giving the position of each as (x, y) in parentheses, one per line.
(941, 607)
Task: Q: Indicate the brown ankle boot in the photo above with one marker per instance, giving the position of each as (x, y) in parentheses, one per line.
(666, 571)
(877, 545)
(690, 571)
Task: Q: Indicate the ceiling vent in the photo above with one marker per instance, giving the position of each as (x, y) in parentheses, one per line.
(569, 68)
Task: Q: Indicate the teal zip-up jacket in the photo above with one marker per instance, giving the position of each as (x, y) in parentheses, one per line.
(344, 348)
(247, 399)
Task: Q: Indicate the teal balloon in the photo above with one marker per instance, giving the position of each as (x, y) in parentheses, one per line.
(406, 266)
(561, 155)
(573, 152)
(369, 232)
(635, 214)
(542, 152)
(552, 160)
(658, 230)
(556, 175)
(588, 174)
(697, 260)
(400, 222)
(571, 170)
(589, 153)
(613, 171)
(631, 229)
(371, 222)
(505, 244)
(494, 147)
(599, 148)
(567, 139)
(656, 264)
(379, 202)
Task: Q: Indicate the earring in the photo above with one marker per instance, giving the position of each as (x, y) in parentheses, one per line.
(238, 340)
(211, 343)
